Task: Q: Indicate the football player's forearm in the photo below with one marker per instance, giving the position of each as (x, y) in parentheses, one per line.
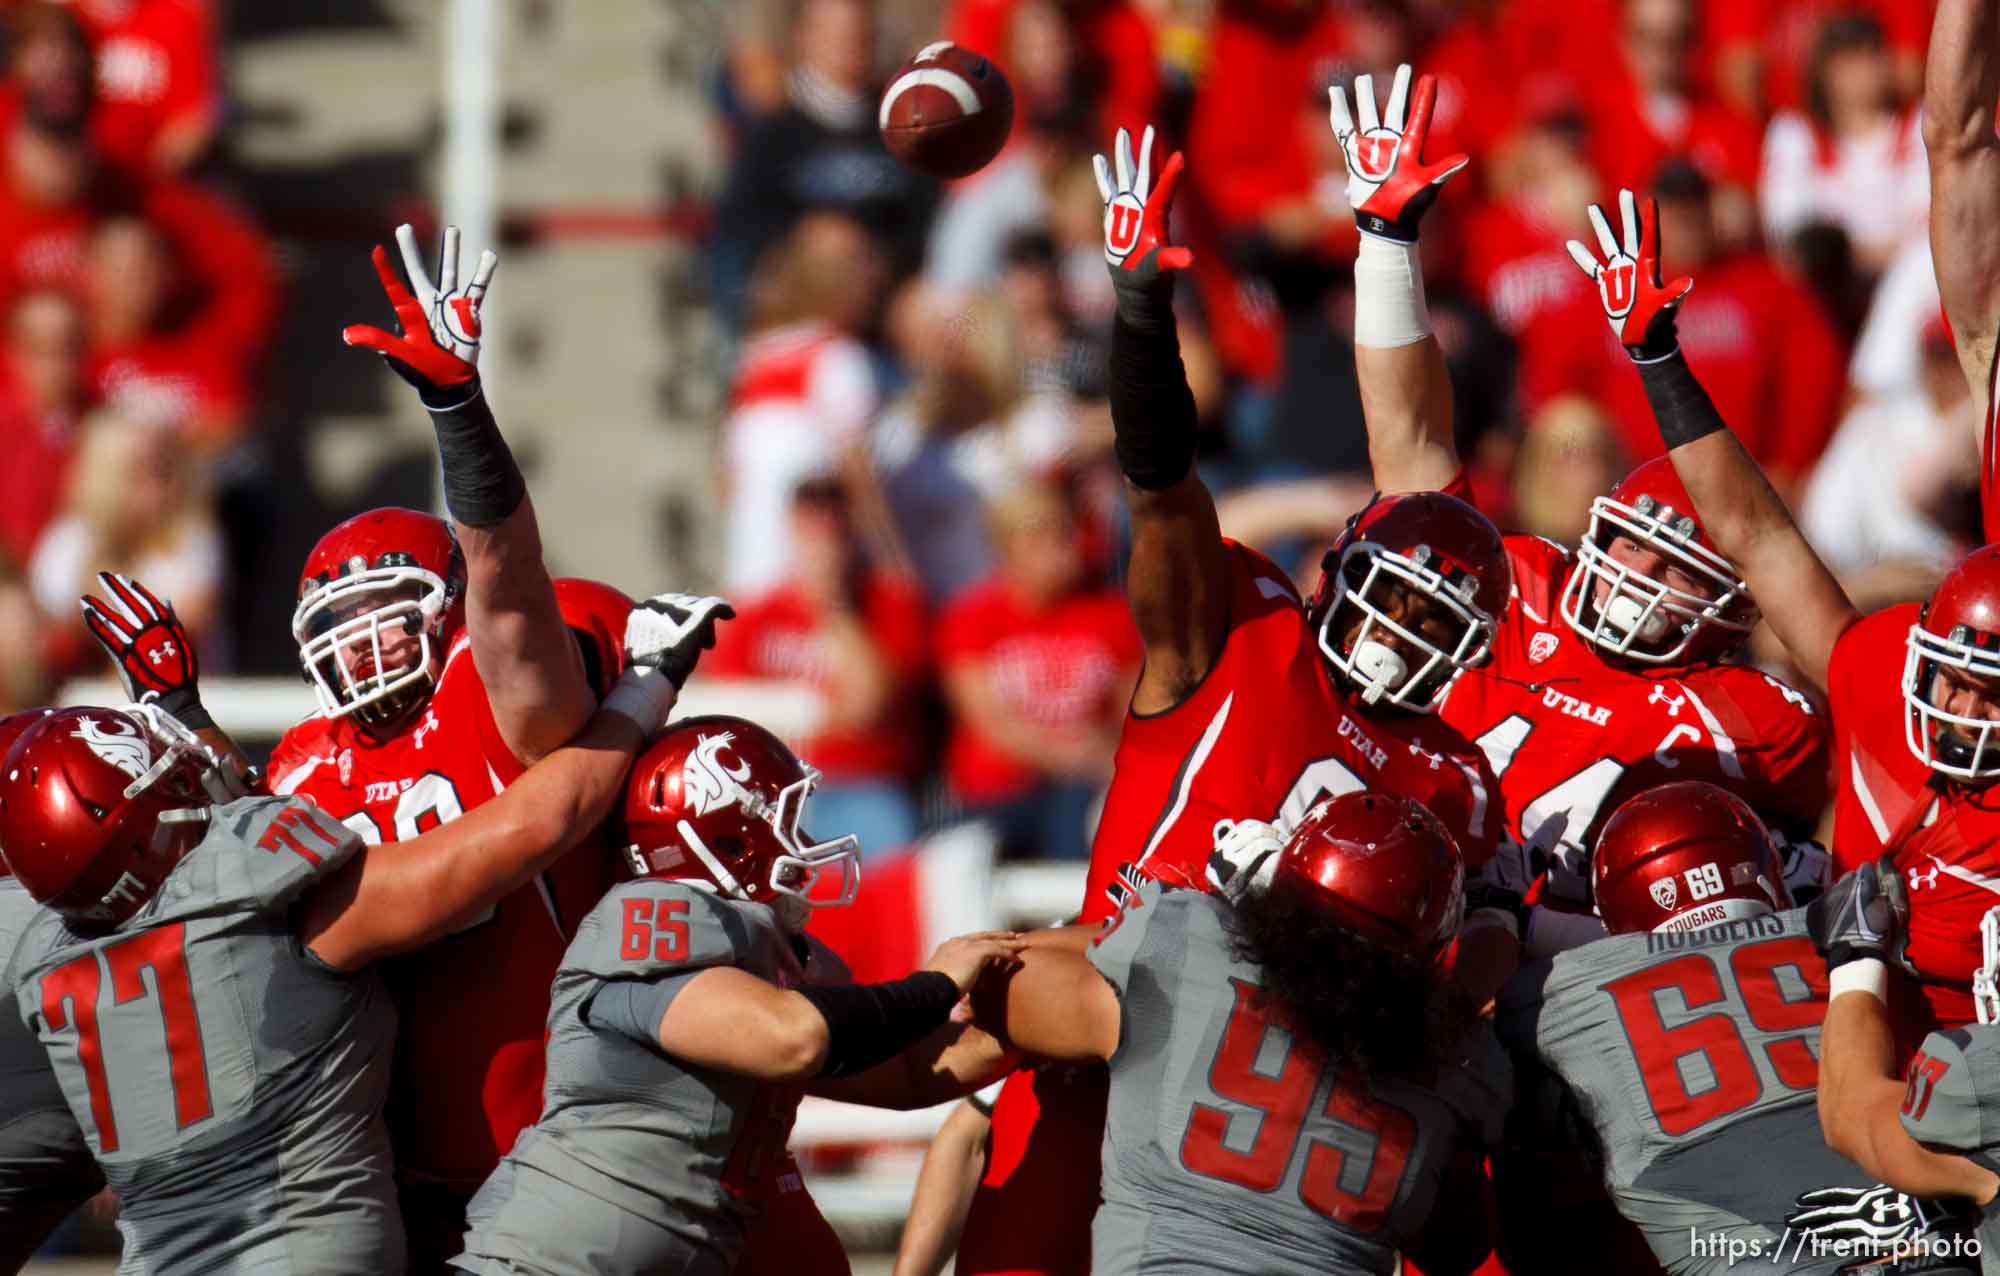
(1054, 1005)
(531, 670)
(1961, 85)
(953, 1166)
(1406, 402)
(1804, 604)
(1961, 80)
(951, 1063)
(1177, 585)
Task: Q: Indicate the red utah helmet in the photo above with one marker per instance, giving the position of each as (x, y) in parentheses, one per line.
(96, 808)
(1958, 629)
(1682, 856)
(596, 613)
(1380, 866)
(1642, 616)
(377, 570)
(720, 800)
(1416, 561)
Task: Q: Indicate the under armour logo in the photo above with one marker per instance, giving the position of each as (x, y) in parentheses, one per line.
(161, 652)
(1673, 703)
(1121, 225)
(1619, 284)
(429, 724)
(1929, 877)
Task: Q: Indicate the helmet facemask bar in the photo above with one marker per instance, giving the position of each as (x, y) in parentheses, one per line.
(178, 745)
(328, 654)
(1649, 608)
(1371, 664)
(1931, 732)
(1986, 980)
(797, 871)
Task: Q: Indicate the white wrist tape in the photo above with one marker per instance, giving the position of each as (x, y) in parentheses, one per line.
(1865, 974)
(643, 697)
(1389, 308)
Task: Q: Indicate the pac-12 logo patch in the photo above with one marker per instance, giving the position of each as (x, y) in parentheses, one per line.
(1665, 893)
(1542, 646)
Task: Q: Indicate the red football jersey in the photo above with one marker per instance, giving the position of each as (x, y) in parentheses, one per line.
(1944, 838)
(473, 1007)
(1266, 736)
(1571, 735)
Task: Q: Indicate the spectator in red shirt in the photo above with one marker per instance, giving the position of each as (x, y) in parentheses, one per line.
(136, 366)
(855, 634)
(159, 91)
(1038, 664)
(55, 194)
(1117, 43)
(41, 403)
(1770, 358)
(1514, 261)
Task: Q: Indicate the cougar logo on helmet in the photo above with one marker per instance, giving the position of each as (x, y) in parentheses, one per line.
(125, 750)
(709, 784)
(1665, 893)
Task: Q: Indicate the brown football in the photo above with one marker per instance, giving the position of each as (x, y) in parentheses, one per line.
(946, 111)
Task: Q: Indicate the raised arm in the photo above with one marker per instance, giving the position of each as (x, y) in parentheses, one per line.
(1177, 581)
(531, 669)
(1405, 387)
(402, 895)
(1961, 88)
(1799, 597)
(155, 660)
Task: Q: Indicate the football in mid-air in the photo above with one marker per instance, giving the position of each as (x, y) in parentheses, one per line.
(947, 111)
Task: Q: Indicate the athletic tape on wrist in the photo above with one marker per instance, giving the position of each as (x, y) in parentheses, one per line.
(1389, 308)
(482, 484)
(1863, 974)
(643, 697)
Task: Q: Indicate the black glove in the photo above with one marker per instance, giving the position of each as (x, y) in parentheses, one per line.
(1860, 916)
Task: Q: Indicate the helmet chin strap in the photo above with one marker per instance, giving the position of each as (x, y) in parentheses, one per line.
(1380, 668)
(1628, 614)
(793, 913)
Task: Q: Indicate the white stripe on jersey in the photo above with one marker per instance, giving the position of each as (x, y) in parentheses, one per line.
(1867, 799)
(1195, 762)
(1725, 748)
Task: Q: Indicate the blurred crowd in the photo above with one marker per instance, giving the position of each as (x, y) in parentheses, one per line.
(137, 302)
(921, 511)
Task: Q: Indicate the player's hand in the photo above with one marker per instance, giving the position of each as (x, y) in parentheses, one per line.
(1879, 1217)
(1389, 184)
(1135, 212)
(1808, 870)
(1245, 856)
(1860, 916)
(1640, 309)
(668, 632)
(437, 345)
(148, 646)
(1501, 887)
(968, 957)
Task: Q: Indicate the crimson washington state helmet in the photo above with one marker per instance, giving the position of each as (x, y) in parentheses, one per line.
(1682, 856)
(1641, 616)
(1421, 546)
(1382, 867)
(95, 808)
(1958, 630)
(378, 570)
(720, 800)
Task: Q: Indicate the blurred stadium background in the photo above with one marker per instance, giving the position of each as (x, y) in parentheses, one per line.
(737, 347)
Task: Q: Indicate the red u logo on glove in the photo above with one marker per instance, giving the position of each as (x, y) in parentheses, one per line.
(1620, 281)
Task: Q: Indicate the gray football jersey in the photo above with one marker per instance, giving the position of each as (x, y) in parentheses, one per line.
(46, 1169)
(1952, 1103)
(230, 1083)
(1231, 1147)
(1692, 1058)
(640, 1162)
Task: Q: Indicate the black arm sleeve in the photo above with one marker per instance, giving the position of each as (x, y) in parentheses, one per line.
(1680, 406)
(1152, 409)
(482, 484)
(867, 1024)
